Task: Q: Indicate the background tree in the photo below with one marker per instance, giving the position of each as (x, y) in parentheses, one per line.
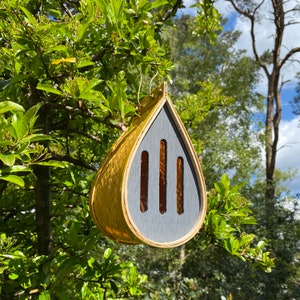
(271, 62)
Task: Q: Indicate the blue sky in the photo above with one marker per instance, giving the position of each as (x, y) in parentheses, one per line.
(289, 143)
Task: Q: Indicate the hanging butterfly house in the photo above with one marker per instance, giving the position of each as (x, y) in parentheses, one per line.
(150, 188)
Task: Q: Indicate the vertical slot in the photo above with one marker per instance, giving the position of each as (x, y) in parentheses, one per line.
(179, 185)
(162, 176)
(144, 181)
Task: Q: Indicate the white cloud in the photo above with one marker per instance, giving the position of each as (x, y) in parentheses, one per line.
(288, 155)
(289, 143)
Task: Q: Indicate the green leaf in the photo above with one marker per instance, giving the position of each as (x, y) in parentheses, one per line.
(107, 253)
(227, 245)
(6, 106)
(53, 163)
(160, 51)
(18, 254)
(237, 214)
(60, 48)
(19, 125)
(158, 3)
(36, 137)
(237, 187)
(129, 110)
(18, 168)
(14, 179)
(84, 290)
(84, 63)
(2, 269)
(93, 83)
(29, 16)
(31, 114)
(45, 295)
(82, 29)
(235, 244)
(49, 89)
(225, 181)
(246, 239)
(13, 276)
(219, 188)
(8, 159)
(73, 234)
(260, 245)
(249, 220)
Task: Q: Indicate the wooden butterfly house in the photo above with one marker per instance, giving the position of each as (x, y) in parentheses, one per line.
(150, 188)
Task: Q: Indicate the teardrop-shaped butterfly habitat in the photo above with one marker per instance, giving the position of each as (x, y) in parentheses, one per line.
(150, 188)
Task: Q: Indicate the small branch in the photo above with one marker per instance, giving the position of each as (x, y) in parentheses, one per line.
(251, 16)
(283, 82)
(288, 55)
(172, 11)
(89, 114)
(295, 9)
(66, 9)
(74, 161)
(89, 136)
(292, 23)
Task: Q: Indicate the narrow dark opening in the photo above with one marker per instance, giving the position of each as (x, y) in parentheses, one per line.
(144, 181)
(162, 176)
(179, 185)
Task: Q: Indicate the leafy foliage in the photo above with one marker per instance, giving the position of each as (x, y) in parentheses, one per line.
(208, 20)
(228, 212)
(109, 279)
(18, 147)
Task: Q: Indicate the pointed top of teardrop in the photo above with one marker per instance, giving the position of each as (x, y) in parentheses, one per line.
(156, 96)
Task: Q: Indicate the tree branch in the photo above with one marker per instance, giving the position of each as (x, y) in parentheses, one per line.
(89, 136)
(172, 11)
(283, 82)
(295, 9)
(288, 55)
(74, 161)
(291, 23)
(66, 9)
(251, 16)
(89, 114)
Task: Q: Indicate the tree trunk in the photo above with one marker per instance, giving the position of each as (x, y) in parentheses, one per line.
(273, 117)
(43, 209)
(43, 195)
